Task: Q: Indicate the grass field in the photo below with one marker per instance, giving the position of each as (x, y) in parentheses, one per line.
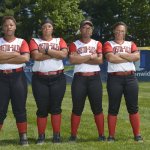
(87, 134)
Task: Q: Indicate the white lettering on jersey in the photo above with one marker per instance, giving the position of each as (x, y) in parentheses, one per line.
(86, 49)
(13, 46)
(124, 48)
(121, 49)
(53, 46)
(49, 64)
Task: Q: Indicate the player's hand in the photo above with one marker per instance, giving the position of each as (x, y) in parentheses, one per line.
(42, 50)
(15, 53)
(93, 56)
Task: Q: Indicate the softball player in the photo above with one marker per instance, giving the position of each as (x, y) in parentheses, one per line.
(86, 54)
(14, 52)
(121, 79)
(48, 80)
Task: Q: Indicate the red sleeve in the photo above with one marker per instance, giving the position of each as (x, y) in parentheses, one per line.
(62, 44)
(24, 47)
(107, 48)
(99, 47)
(72, 48)
(33, 45)
(133, 47)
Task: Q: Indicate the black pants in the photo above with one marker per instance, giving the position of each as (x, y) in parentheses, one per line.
(82, 87)
(13, 87)
(122, 85)
(48, 92)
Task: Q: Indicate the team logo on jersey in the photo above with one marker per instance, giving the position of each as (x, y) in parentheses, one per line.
(86, 49)
(120, 49)
(9, 48)
(52, 46)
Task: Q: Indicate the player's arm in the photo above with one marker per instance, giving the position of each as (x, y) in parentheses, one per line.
(19, 59)
(76, 58)
(36, 55)
(95, 59)
(110, 56)
(131, 57)
(8, 55)
(114, 58)
(58, 54)
(61, 54)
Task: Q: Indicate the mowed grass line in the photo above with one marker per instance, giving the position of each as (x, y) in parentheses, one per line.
(87, 133)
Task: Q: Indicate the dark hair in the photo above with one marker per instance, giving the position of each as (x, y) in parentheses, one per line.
(47, 20)
(8, 17)
(118, 24)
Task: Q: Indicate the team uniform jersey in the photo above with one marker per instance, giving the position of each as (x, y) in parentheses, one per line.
(49, 64)
(126, 47)
(17, 45)
(86, 49)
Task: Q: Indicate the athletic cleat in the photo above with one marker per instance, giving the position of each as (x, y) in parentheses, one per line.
(138, 138)
(72, 138)
(56, 138)
(111, 139)
(23, 139)
(101, 138)
(41, 139)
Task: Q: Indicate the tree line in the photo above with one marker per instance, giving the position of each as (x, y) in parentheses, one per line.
(67, 15)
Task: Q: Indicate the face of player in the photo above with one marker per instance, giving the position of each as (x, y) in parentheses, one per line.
(120, 32)
(9, 27)
(47, 29)
(86, 31)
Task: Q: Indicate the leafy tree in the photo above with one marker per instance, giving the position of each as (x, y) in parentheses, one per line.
(136, 14)
(21, 10)
(104, 13)
(65, 14)
(29, 13)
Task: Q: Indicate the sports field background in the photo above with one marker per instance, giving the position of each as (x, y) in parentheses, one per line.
(87, 134)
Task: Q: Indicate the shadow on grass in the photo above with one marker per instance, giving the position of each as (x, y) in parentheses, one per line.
(14, 142)
(9, 142)
(80, 140)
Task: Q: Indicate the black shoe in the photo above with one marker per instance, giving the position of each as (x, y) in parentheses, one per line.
(138, 138)
(23, 139)
(101, 138)
(72, 138)
(40, 139)
(111, 139)
(56, 138)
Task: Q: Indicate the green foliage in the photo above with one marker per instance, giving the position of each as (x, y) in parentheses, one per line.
(87, 133)
(65, 14)
(21, 10)
(136, 14)
(29, 13)
(105, 13)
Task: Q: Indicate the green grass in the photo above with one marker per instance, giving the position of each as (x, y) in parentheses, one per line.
(87, 132)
